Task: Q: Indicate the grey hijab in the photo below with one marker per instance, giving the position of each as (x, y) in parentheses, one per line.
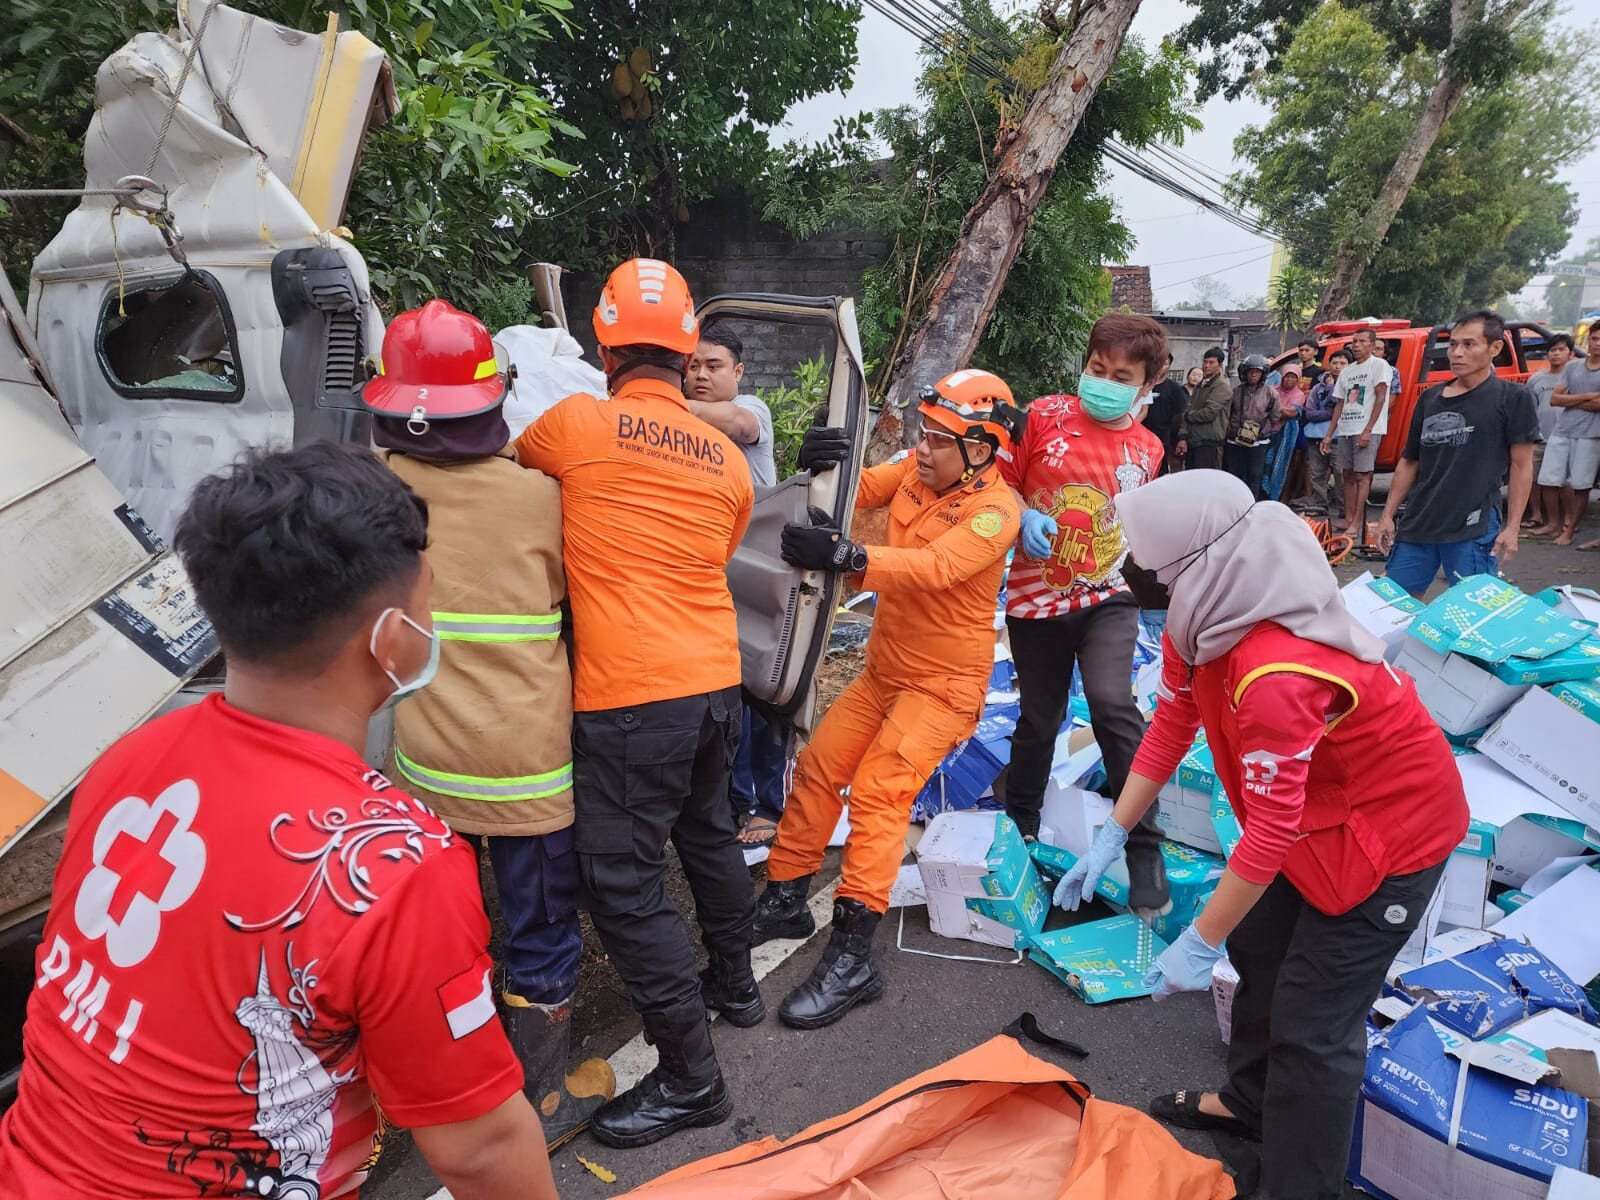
(1231, 563)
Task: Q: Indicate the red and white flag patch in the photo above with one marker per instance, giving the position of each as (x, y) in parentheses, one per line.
(468, 999)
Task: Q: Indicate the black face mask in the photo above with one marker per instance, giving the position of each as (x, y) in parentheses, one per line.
(1148, 591)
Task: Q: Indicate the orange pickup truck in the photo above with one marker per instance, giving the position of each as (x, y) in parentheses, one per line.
(1421, 353)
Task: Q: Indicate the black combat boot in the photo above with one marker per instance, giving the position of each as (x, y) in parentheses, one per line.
(843, 976)
(729, 987)
(782, 912)
(541, 1035)
(685, 1089)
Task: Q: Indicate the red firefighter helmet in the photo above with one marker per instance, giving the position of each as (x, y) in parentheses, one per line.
(438, 363)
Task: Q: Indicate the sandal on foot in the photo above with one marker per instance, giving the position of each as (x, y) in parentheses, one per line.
(763, 829)
(1183, 1110)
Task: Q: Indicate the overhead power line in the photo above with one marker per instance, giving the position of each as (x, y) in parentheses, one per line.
(943, 29)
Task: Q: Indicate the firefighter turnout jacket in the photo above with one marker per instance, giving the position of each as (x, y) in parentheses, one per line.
(489, 742)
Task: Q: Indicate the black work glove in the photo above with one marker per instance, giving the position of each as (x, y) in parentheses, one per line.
(823, 448)
(819, 548)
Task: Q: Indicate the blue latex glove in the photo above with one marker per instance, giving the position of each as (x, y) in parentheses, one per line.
(1184, 966)
(1078, 884)
(1037, 531)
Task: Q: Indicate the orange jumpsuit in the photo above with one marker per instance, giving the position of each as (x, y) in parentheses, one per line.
(928, 665)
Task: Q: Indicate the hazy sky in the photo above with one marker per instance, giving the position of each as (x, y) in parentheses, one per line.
(1175, 239)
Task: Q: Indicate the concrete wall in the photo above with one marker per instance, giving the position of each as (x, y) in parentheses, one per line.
(724, 248)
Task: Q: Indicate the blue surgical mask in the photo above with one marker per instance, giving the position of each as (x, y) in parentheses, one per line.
(424, 677)
(1106, 399)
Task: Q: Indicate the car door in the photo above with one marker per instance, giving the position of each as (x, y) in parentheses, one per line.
(786, 614)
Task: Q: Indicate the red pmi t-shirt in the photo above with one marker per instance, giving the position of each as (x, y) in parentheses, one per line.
(255, 942)
(1072, 468)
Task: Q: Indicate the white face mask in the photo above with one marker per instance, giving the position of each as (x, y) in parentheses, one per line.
(429, 669)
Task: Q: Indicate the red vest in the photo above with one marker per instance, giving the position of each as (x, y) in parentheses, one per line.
(1383, 795)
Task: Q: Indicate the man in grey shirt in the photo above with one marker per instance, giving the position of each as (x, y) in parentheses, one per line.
(1544, 510)
(712, 382)
(1572, 459)
(761, 766)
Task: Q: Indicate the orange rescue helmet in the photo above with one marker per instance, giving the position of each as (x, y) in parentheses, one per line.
(438, 363)
(975, 406)
(646, 302)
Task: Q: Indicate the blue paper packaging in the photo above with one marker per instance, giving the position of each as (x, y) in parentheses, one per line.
(1491, 620)
(1099, 960)
(1481, 991)
(1518, 1133)
(1192, 876)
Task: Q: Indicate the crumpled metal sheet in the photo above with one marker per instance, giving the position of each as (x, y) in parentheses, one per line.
(223, 163)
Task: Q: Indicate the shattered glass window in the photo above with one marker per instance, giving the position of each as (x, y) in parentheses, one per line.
(171, 341)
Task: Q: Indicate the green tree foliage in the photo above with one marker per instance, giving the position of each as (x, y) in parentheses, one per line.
(514, 143)
(1291, 298)
(941, 153)
(1246, 41)
(1563, 295)
(1486, 211)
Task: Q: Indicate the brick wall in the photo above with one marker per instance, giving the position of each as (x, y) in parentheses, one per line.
(724, 249)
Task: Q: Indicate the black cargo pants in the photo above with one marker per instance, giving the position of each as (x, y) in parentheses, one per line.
(1100, 640)
(1299, 1047)
(642, 775)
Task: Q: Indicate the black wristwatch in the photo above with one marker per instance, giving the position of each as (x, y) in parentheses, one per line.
(850, 557)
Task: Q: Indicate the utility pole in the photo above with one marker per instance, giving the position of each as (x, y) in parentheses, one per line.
(964, 296)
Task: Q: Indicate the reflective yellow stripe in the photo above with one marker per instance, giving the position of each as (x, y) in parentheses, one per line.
(497, 627)
(502, 790)
(485, 369)
(1301, 669)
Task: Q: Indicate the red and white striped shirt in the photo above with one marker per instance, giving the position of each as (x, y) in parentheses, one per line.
(1072, 467)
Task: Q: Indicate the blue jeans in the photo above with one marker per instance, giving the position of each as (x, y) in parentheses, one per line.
(537, 878)
(1413, 565)
(760, 769)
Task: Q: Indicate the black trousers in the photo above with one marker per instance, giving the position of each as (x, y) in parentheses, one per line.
(1203, 458)
(1299, 1048)
(641, 776)
(1247, 464)
(1100, 641)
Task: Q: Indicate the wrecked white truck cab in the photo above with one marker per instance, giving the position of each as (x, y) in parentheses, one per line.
(169, 328)
(256, 330)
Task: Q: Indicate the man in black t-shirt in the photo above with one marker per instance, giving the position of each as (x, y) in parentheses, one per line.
(1466, 436)
(1165, 414)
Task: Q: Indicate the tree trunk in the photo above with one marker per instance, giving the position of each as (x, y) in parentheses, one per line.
(964, 296)
(1357, 250)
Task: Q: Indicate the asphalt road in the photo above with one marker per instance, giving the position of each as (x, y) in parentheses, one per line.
(784, 1080)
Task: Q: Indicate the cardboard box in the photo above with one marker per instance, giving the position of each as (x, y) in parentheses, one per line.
(1184, 805)
(1563, 920)
(980, 881)
(1521, 829)
(1224, 822)
(1461, 694)
(1580, 602)
(1413, 1141)
(1486, 989)
(1551, 741)
(1224, 982)
(1383, 608)
(1099, 960)
(1072, 816)
(1465, 890)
